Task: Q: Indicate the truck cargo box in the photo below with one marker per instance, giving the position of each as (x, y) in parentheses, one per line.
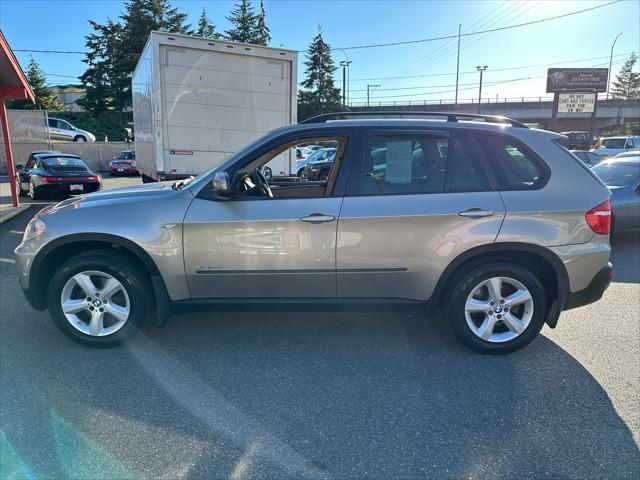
(197, 100)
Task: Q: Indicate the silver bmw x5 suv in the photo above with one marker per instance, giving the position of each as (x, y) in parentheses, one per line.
(492, 222)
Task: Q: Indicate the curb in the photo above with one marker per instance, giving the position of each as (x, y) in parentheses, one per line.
(14, 212)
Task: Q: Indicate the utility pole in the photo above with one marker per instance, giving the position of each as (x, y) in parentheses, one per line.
(345, 65)
(370, 90)
(481, 69)
(458, 65)
(610, 62)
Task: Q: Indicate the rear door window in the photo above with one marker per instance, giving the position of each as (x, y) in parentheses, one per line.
(418, 164)
(516, 167)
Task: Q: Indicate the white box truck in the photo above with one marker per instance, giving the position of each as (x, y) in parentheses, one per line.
(197, 100)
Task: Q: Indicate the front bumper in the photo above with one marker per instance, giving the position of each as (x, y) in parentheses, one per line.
(593, 292)
(123, 171)
(24, 255)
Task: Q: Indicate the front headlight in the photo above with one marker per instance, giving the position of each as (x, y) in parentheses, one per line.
(34, 228)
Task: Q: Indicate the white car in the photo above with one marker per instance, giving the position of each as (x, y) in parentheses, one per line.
(62, 130)
(610, 146)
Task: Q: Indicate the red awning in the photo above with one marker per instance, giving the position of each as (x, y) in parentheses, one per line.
(13, 83)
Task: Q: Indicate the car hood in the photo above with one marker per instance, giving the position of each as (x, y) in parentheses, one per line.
(146, 192)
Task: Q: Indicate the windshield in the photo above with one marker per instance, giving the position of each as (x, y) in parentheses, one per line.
(618, 174)
(126, 156)
(613, 143)
(322, 154)
(63, 162)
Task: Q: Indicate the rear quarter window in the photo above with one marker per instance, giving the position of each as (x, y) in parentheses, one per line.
(515, 165)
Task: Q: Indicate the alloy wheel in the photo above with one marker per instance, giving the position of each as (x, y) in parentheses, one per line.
(499, 309)
(95, 303)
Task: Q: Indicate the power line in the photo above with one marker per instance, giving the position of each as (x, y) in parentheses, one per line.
(493, 69)
(448, 91)
(47, 51)
(447, 37)
(487, 84)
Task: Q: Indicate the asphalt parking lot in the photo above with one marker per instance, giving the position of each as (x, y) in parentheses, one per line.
(320, 395)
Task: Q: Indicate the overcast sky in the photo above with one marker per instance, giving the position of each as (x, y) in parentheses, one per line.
(517, 58)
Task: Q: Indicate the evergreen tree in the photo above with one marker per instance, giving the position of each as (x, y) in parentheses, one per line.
(206, 29)
(627, 84)
(243, 20)
(97, 79)
(320, 95)
(114, 49)
(262, 34)
(45, 98)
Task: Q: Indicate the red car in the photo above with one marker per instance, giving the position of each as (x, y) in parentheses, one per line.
(124, 164)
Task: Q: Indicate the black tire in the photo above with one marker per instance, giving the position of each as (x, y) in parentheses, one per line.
(132, 277)
(80, 138)
(463, 287)
(21, 191)
(33, 191)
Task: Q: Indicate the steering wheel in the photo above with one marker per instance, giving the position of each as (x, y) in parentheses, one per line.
(262, 183)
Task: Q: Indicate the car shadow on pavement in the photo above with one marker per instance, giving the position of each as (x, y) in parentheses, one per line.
(315, 395)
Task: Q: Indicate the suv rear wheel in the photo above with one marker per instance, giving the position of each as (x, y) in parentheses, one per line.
(497, 308)
(99, 298)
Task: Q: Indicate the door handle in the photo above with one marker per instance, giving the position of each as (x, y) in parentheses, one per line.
(476, 213)
(318, 218)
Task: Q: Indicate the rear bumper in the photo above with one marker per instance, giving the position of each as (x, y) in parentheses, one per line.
(65, 188)
(593, 292)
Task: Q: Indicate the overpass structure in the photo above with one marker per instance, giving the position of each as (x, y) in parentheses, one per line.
(612, 116)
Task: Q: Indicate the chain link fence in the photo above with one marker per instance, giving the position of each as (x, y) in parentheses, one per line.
(29, 133)
(28, 129)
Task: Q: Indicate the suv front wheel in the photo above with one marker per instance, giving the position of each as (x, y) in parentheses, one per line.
(497, 308)
(99, 299)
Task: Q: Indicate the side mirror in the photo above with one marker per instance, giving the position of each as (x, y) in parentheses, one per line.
(221, 185)
(19, 167)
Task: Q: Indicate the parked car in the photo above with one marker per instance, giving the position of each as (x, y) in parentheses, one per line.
(55, 173)
(611, 146)
(317, 171)
(320, 155)
(303, 152)
(588, 158)
(124, 164)
(580, 140)
(477, 216)
(628, 153)
(622, 176)
(62, 130)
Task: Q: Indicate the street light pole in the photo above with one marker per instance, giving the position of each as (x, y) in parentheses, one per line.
(370, 90)
(345, 65)
(458, 65)
(610, 62)
(481, 69)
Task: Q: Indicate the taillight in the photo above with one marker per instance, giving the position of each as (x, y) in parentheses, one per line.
(598, 145)
(599, 218)
(48, 179)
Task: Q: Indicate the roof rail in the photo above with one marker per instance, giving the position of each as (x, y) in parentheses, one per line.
(450, 117)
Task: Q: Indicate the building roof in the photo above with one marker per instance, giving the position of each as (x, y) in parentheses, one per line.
(13, 82)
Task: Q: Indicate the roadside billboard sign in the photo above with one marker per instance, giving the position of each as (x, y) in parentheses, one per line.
(576, 102)
(577, 80)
